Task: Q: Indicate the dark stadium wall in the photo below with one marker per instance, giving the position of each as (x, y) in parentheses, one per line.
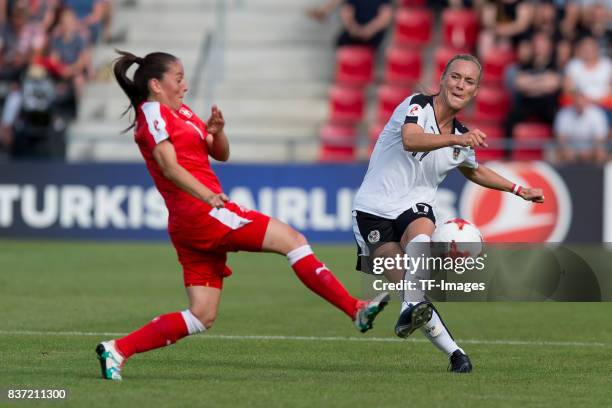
(586, 183)
(607, 203)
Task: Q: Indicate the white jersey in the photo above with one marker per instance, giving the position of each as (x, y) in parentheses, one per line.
(396, 179)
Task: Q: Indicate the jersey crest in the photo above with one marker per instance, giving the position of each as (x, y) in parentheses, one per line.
(185, 112)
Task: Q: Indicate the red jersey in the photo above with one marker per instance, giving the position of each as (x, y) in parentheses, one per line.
(155, 123)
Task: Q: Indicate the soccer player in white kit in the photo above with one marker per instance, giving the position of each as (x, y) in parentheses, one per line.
(393, 209)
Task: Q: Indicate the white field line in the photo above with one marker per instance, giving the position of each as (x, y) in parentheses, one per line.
(315, 338)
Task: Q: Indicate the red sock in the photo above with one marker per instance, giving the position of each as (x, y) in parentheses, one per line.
(159, 332)
(315, 275)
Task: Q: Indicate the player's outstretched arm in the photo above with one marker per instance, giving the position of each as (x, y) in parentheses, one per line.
(165, 156)
(415, 139)
(486, 177)
(218, 145)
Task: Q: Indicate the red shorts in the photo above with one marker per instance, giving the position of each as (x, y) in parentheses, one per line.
(203, 244)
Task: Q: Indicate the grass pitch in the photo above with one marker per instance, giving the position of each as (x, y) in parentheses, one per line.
(274, 343)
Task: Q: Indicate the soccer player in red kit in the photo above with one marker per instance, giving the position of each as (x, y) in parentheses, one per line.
(203, 224)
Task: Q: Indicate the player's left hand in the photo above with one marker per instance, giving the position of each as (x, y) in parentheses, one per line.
(532, 194)
(215, 122)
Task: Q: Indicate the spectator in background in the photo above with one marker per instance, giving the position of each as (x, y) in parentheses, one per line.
(524, 55)
(590, 73)
(364, 22)
(107, 19)
(439, 5)
(44, 13)
(33, 118)
(581, 131)
(69, 51)
(504, 24)
(536, 86)
(323, 11)
(3, 12)
(569, 13)
(545, 18)
(91, 14)
(20, 43)
(549, 18)
(595, 22)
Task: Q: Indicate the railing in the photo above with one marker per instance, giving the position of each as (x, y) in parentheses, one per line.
(212, 68)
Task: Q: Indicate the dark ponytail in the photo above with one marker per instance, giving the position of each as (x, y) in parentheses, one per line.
(152, 66)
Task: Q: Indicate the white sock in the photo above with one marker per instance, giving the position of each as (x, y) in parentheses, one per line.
(194, 325)
(434, 330)
(438, 334)
(418, 247)
(298, 254)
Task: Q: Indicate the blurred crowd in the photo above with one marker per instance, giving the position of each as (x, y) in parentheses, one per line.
(559, 74)
(45, 61)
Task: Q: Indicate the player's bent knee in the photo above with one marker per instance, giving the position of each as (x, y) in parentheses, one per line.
(282, 238)
(295, 239)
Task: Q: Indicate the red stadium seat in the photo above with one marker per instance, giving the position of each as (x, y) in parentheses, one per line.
(534, 133)
(346, 105)
(413, 26)
(494, 64)
(354, 65)
(389, 97)
(338, 135)
(413, 3)
(334, 154)
(338, 143)
(460, 28)
(402, 65)
(492, 104)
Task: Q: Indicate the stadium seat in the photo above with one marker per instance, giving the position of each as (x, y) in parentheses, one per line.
(338, 135)
(494, 64)
(413, 3)
(346, 105)
(354, 65)
(337, 143)
(460, 28)
(413, 27)
(533, 133)
(402, 66)
(336, 154)
(492, 104)
(388, 97)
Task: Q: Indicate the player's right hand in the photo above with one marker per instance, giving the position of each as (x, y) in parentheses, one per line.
(473, 138)
(217, 200)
